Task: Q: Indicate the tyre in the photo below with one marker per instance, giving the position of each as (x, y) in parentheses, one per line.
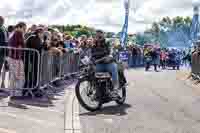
(38, 93)
(122, 98)
(81, 100)
(178, 67)
(173, 68)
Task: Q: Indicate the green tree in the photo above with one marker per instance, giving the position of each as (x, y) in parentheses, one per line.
(156, 30)
(178, 21)
(188, 21)
(142, 39)
(166, 23)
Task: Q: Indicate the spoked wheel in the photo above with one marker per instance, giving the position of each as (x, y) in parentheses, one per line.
(122, 95)
(86, 95)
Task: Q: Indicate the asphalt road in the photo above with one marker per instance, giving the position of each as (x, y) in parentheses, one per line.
(157, 102)
(34, 115)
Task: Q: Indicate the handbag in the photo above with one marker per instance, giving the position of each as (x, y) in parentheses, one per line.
(16, 67)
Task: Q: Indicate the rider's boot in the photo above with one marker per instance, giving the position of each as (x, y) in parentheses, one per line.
(114, 93)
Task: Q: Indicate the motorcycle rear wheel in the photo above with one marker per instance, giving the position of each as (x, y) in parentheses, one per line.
(82, 101)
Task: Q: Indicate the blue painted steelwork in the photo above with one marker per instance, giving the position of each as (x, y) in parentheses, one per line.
(124, 33)
(195, 27)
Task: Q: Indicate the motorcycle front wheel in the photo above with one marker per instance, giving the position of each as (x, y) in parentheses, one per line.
(89, 102)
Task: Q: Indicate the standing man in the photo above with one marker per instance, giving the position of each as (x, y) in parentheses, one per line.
(3, 42)
(155, 58)
(3, 33)
(31, 61)
(134, 56)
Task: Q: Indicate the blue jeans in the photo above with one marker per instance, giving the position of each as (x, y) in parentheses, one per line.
(111, 68)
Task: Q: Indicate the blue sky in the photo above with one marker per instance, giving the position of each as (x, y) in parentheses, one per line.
(104, 14)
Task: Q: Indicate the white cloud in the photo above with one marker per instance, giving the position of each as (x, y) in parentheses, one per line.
(105, 14)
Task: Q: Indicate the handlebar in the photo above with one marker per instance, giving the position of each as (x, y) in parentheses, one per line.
(99, 60)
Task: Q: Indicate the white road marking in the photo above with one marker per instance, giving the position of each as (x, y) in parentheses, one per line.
(4, 102)
(3, 130)
(110, 121)
(72, 120)
(68, 111)
(6, 80)
(77, 124)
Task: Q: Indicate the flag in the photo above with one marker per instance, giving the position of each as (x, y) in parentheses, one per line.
(195, 27)
(124, 32)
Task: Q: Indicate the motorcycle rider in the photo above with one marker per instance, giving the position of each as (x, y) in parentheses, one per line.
(99, 50)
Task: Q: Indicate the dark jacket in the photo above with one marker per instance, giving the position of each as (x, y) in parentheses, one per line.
(99, 51)
(154, 54)
(134, 52)
(3, 41)
(33, 42)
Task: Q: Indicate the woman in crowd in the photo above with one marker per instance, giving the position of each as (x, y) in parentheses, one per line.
(15, 63)
(163, 59)
(67, 42)
(11, 29)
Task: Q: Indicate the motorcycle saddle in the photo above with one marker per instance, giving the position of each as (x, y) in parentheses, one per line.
(102, 75)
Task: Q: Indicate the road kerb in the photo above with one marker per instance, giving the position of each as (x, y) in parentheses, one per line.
(3, 130)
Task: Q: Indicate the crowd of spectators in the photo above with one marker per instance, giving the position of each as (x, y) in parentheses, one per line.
(43, 38)
(40, 38)
(162, 57)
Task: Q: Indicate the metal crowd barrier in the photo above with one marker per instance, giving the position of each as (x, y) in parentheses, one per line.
(19, 69)
(70, 63)
(25, 70)
(132, 60)
(136, 60)
(56, 67)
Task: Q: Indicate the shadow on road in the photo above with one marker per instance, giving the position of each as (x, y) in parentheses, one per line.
(110, 110)
(21, 103)
(3, 94)
(43, 102)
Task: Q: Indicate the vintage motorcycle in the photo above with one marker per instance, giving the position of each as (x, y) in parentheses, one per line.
(97, 86)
